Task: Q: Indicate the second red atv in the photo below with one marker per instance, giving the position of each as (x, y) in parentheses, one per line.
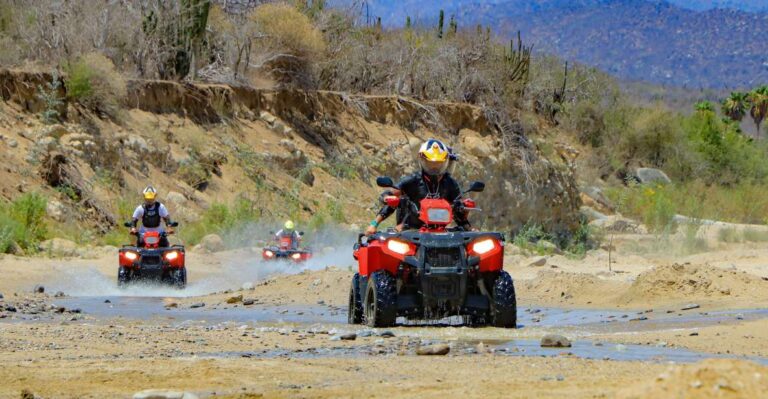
(284, 250)
(151, 262)
(432, 273)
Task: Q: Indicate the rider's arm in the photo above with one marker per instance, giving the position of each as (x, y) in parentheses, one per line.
(460, 215)
(137, 214)
(163, 211)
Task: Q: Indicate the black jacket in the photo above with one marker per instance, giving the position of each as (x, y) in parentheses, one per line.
(417, 187)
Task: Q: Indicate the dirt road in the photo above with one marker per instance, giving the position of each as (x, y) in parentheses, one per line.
(645, 331)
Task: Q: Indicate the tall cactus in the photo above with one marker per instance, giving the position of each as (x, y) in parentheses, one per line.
(453, 27)
(440, 25)
(518, 61)
(179, 31)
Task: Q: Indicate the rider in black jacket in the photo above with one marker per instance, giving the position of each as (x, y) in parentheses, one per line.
(433, 181)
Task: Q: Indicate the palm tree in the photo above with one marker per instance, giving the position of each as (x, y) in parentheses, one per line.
(758, 98)
(736, 106)
(704, 106)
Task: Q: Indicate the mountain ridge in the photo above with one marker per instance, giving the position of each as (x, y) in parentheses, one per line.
(658, 42)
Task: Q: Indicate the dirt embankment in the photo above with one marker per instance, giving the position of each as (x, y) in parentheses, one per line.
(668, 285)
(212, 143)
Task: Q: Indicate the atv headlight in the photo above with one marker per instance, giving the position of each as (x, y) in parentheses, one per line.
(296, 256)
(131, 255)
(483, 246)
(171, 255)
(269, 253)
(399, 247)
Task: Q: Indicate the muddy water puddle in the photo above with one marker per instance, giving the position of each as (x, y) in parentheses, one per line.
(521, 347)
(578, 324)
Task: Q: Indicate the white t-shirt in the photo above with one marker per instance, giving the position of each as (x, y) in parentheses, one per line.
(139, 213)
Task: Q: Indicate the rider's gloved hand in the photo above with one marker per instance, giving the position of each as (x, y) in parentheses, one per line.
(169, 230)
(370, 230)
(133, 230)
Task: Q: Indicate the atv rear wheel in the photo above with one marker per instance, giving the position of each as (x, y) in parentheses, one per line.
(355, 311)
(504, 303)
(178, 278)
(123, 277)
(381, 300)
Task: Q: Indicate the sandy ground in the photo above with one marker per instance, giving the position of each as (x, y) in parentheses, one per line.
(69, 354)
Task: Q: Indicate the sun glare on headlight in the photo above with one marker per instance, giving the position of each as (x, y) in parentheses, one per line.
(172, 255)
(269, 254)
(483, 246)
(296, 256)
(398, 247)
(131, 255)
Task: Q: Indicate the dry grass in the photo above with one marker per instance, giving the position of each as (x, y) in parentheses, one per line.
(93, 81)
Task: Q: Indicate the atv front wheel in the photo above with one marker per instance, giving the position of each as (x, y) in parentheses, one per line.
(504, 304)
(381, 300)
(179, 278)
(355, 311)
(123, 277)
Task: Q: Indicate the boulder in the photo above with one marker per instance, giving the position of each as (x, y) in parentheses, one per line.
(136, 143)
(212, 243)
(267, 117)
(476, 146)
(538, 261)
(60, 247)
(288, 145)
(591, 214)
(651, 176)
(56, 210)
(555, 341)
(175, 198)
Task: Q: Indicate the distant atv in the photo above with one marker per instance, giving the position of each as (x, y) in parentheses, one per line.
(432, 273)
(151, 262)
(283, 250)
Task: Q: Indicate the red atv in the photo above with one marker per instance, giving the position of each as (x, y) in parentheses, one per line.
(284, 251)
(432, 273)
(151, 262)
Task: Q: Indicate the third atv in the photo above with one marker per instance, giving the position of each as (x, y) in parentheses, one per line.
(432, 273)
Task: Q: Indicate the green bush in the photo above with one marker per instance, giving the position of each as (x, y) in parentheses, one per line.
(93, 81)
(741, 203)
(22, 223)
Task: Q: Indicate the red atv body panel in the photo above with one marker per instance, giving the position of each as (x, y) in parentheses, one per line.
(437, 214)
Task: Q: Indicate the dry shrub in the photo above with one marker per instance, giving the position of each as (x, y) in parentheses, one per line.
(290, 42)
(93, 81)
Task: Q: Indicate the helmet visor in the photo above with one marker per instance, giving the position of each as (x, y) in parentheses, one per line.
(433, 168)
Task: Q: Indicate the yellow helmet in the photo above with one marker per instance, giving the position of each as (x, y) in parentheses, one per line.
(433, 157)
(289, 225)
(150, 193)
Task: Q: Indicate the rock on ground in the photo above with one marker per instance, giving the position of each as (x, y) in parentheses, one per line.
(555, 341)
(538, 261)
(212, 243)
(60, 247)
(433, 350)
(163, 394)
(651, 176)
